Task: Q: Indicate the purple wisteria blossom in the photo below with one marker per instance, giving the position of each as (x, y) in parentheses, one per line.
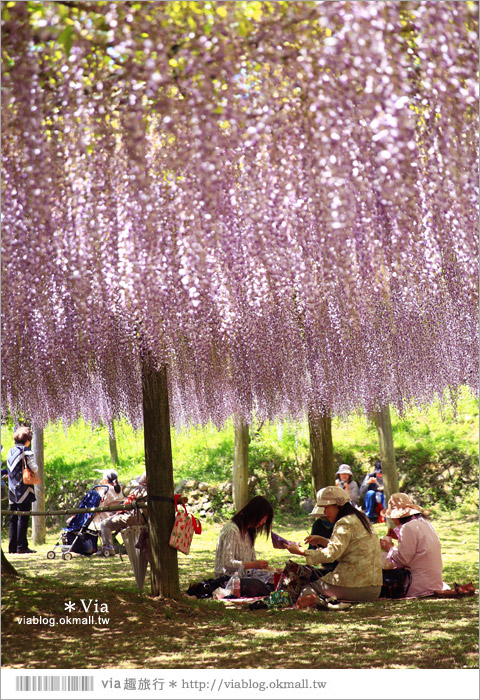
(277, 200)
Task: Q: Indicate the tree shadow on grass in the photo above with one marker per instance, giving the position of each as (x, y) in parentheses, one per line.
(143, 632)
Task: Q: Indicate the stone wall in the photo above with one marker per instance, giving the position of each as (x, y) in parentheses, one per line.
(206, 501)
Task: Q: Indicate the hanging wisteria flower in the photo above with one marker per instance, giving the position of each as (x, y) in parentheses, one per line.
(277, 200)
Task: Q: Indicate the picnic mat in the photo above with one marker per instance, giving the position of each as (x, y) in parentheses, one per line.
(241, 601)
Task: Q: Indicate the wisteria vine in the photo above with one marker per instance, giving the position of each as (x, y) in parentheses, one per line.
(277, 200)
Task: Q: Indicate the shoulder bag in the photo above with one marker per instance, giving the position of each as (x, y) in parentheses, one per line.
(30, 478)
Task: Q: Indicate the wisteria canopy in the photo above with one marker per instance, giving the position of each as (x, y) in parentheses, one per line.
(277, 201)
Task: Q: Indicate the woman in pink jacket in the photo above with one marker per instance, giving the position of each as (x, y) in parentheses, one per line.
(418, 547)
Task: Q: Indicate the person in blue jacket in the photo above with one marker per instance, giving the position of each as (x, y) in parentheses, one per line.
(20, 495)
(372, 492)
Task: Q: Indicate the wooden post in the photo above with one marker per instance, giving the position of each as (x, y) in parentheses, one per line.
(112, 441)
(387, 451)
(321, 450)
(160, 486)
(39, 525)
(240, 464)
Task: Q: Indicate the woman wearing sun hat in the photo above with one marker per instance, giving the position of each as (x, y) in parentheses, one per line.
(353, 544)
(344, 479)
(418, 547)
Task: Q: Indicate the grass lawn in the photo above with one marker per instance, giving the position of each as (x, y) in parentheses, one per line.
(149, 633)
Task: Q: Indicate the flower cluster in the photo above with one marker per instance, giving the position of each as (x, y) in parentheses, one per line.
(276, 200)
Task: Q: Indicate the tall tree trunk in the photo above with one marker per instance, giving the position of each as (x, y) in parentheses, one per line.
(321, 450)
(112, 440)
(160, 487)
(39, 526)
(387, 451)
(240, 464)
(7, 568)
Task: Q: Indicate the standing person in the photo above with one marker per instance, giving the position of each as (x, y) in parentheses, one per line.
(353, 544)
(344, 479)
(20, 495)
(372, 492)
(418, 547)
(235, 547)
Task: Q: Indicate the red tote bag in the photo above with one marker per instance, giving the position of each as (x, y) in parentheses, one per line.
(184, 528)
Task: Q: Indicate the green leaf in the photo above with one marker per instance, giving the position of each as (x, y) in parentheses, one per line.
(66, 39)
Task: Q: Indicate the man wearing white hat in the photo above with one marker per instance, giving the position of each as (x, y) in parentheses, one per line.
(353, 544)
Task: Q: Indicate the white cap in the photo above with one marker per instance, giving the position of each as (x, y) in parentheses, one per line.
(330, 496)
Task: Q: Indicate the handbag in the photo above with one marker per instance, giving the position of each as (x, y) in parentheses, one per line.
(294, 578)
(30, 478)
(396, 583)
(184, 527)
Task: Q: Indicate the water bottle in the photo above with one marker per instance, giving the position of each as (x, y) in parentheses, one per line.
(236, 585)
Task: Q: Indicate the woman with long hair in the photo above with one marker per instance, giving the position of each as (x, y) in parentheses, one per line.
(236, 543)
(353, 544)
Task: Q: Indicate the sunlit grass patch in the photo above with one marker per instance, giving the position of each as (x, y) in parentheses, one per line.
(208, 634)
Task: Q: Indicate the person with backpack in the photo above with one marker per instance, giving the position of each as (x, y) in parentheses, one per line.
(418, 547)
(20, 495)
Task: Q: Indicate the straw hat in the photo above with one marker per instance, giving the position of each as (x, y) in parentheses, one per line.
(330, 496)
(344, 469)
(401, 506)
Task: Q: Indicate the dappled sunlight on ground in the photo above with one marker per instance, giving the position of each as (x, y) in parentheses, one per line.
(152, 633)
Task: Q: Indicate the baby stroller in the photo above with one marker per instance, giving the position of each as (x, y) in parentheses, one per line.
(76, 537)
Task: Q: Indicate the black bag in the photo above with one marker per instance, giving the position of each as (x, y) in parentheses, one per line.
(204, 589)
(254, 588)
(86, 543)
(396, 583)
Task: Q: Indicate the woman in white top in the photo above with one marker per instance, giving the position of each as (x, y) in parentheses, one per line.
(418, 547)
(111, 497)
(235, 546)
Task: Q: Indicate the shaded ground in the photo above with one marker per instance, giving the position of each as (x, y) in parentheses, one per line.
(143, 632)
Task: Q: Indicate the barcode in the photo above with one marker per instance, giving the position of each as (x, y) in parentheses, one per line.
(49, 683)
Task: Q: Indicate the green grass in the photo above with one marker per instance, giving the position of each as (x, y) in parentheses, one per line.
(210, 634)
(436, 449)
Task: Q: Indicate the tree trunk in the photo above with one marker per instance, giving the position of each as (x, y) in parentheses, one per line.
(39, 525)
(113, 443)
(321, 450)
(387, 451)
(160, 487)
(240, 464)
(7, 568)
